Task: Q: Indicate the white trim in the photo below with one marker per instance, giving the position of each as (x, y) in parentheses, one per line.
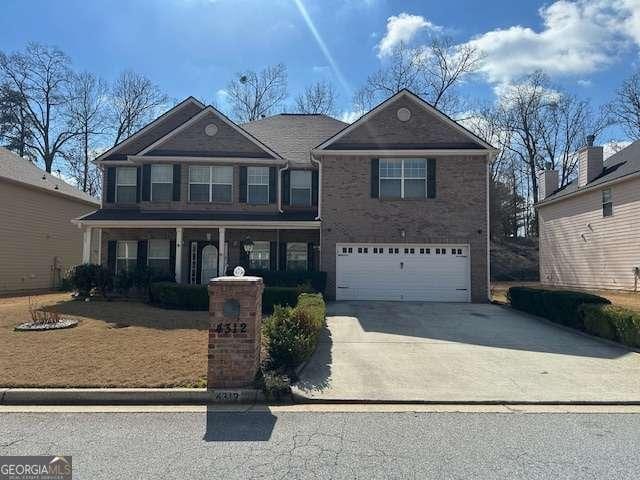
(208, 110)
(392, 99)
(258, 224)
(406, 153)
(86, 245)
(99, 232)
(149, 126)
(221, 252)
(178, 266)
(137, 160)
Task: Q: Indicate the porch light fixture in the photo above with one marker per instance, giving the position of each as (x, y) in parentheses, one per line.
(247, 244)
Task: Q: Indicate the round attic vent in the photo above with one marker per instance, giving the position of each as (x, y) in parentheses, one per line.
(211, 130)
(404, 114)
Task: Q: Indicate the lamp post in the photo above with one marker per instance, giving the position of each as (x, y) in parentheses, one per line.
(247, 244)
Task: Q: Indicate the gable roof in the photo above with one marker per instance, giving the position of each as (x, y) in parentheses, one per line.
(293, 135)
(19, 170)
(154, 130)
(619, 165)
(405, 93)
(209, 110)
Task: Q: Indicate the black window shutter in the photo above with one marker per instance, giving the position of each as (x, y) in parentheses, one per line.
(111, 185)
(142, 253)
(286, 187)
(431, 178)
(314, 187)
(273, 256)
(177, 170)
(283, 256)
(138, 183)
(311, 256)
(172, 258)
(272, 184)
(375, 178)
(112, 251)
(146, 183)
(243, 185)
(199, 247)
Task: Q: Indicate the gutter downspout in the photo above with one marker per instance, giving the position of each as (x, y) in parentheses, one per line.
(314, 160)
(286, 167)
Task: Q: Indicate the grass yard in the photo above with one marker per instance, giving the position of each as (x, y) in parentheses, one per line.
(116, 344)
(622, 299)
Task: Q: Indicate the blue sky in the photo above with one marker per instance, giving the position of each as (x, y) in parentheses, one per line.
(193, 47)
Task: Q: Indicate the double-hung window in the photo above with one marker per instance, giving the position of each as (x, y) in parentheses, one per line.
(300, 193)
(211, 184)
(126, 184)
(403, 178)
(159, 255)
(161, 183)
(607, 203)
(127, 255)
(297, 256)
(259, 256)
(258, 185)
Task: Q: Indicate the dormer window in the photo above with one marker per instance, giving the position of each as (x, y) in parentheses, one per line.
(126, 184)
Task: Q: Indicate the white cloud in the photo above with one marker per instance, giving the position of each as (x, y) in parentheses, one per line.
(584, 83)
(350, 116)
(577, 38)
(402, 28)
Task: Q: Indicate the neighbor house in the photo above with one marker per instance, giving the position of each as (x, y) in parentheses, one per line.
(38, 243)
(590, 228)
(392, 207)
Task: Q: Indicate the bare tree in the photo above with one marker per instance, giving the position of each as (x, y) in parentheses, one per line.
(135, 100)
(40, 75)
(81, 172)
(626, 105)
(254, 95)
(317, 98)
(88, 113)
(16, 130)
(432, 71)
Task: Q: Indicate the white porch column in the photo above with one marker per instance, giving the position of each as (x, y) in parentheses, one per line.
(222, 268)
(179, 255)
(86, 245)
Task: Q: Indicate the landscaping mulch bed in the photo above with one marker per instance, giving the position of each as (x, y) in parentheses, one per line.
(115, 344)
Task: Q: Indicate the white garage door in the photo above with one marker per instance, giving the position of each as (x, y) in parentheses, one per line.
(409, 272)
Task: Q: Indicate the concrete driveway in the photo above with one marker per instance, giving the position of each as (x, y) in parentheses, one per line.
(389, 351)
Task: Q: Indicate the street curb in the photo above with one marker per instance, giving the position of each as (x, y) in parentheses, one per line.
(128, 396)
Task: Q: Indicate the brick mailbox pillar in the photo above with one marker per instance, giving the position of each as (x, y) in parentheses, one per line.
(235, 318)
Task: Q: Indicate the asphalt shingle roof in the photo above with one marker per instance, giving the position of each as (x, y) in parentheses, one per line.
(620, 164)
(17, 169)
(293, 135)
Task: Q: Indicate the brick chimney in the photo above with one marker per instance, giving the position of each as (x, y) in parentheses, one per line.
(590, 162)
(547, 182)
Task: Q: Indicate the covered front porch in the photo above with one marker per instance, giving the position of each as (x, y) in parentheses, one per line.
(195, 253)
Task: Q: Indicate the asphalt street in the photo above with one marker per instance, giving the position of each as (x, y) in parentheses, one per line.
(331, 445)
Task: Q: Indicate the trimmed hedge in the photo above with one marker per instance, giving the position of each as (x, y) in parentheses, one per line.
(317, 280)
(560, 306)
(612, 322)
(292, 333)
(178, 296)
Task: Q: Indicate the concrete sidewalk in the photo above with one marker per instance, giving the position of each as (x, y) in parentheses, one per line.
(442, 353)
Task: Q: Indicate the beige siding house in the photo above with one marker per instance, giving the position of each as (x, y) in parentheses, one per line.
(590, 229)
(38, 242)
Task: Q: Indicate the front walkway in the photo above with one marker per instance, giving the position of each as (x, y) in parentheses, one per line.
(385, 351)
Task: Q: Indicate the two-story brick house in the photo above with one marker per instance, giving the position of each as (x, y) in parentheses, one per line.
(392, 207)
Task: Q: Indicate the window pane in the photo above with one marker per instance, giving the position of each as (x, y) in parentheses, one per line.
(199, 174)
(127, 249)
(258, 175)
(162, 173)
(258, 194)
(390, 188)
(198, 192)
(607, 209)
(221, 193)
(296, 256)
(606, 196)
(301, 197)
(126, 194)
(390, 168)
(259, 256)
(222, 175)
(126, 175)
(300, 179)
(162, 192)
(415, 168)
(415, 188)
(159, 249)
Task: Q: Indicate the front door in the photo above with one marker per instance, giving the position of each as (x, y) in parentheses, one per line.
(209, 264)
